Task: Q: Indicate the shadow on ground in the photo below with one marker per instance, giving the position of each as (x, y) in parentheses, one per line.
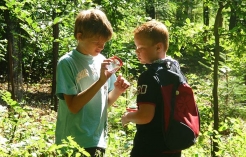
(35, 95)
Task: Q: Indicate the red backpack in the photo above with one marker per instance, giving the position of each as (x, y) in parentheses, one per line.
(181, 121)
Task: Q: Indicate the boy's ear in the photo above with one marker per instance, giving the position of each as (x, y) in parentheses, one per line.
(159, 46)
(79, 36)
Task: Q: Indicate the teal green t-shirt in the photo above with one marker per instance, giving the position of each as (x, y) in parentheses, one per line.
(75, 73)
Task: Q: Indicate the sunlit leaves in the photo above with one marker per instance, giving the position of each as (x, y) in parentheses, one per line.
(56, 20)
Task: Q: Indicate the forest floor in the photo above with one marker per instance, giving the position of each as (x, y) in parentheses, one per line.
(34, 95)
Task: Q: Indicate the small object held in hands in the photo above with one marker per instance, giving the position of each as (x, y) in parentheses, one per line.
(115, 64)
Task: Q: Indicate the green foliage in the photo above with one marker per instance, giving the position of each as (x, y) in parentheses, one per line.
(123, 23)
(36, 19)
(232, 116)
(26, 131)
(30, 131)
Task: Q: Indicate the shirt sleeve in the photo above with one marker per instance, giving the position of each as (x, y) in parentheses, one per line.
(147, 89)
(65, 81)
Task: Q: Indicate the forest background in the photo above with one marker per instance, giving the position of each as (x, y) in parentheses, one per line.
(207, 37)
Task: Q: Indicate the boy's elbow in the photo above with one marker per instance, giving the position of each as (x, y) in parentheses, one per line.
(147, 119)
(144, 120)
(73, 110)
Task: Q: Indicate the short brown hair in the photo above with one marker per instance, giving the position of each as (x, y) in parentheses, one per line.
(93, 22)
(154, 31)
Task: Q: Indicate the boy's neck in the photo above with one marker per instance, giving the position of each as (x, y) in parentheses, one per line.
(80, 50)
(160, 60)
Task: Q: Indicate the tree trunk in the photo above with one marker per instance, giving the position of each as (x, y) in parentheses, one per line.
(179, 12)
(9, 53)
(98, 2)
(233, 16)
(17, 54)
(54, 101)
(205, 13)
(205, 20)
(150, 8)
(217, 25)
(14, 56)
(188, 9)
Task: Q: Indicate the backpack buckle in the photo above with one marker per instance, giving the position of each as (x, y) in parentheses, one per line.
(168, 65)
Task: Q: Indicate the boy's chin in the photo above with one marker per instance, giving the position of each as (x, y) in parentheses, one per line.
(95, 54)
(143, 62)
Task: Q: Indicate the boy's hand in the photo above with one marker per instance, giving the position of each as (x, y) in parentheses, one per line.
(104, 74)
(124, 120)
(121, 84)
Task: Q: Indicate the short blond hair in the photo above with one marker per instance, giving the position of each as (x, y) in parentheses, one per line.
(154, 31)
(93, 22)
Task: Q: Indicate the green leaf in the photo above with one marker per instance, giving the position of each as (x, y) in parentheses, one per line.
(57, 19)
(3, 8)
(52, 148)
(167, 23)
(187, 21)
(29, 21)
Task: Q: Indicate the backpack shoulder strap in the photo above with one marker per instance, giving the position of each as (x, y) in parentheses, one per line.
(166, 67)
(170, 72)
(174, 67)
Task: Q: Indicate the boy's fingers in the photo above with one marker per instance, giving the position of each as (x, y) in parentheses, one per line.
(119, 77)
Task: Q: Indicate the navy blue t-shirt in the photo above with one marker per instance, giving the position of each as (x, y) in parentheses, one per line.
(149, 140)
(149, 137)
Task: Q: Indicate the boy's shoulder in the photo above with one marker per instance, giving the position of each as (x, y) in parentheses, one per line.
(66, 56)
(146, 75)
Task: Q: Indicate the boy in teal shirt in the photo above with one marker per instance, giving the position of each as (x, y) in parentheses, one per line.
(85, 87)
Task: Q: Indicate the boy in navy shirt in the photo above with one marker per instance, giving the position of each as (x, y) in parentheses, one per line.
(151, 40)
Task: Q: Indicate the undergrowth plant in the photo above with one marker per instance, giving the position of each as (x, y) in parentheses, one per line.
(28, 131)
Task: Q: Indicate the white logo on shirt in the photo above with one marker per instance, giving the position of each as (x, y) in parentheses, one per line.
(82, 74)
(142, 89)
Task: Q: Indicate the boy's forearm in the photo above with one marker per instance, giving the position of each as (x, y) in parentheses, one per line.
(136, 117)
(113, 96)
(77, 102)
